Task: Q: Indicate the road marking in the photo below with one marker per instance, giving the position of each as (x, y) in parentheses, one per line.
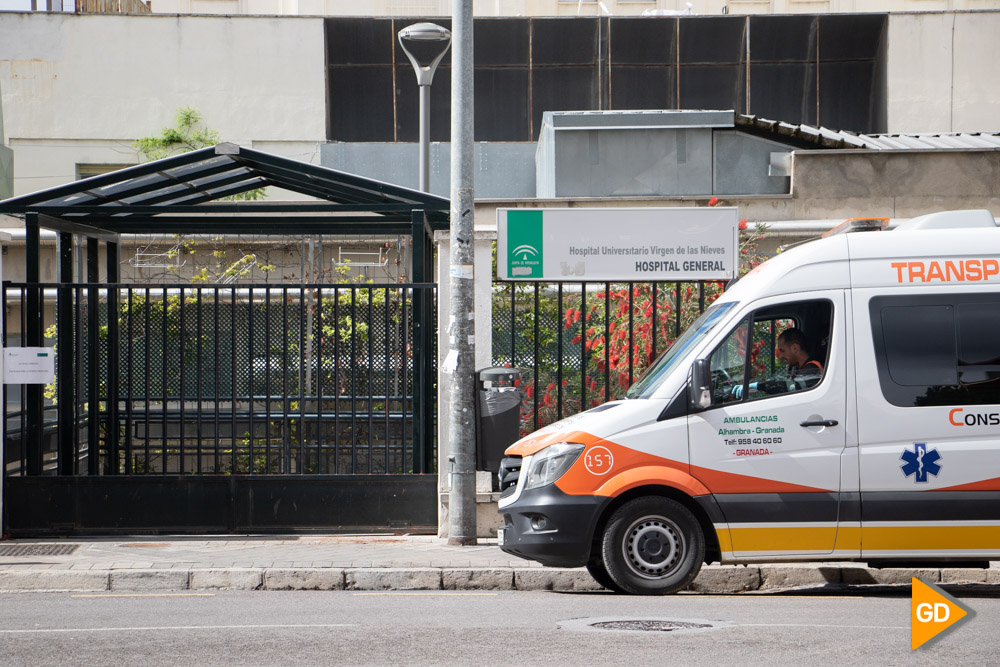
(179, 627)
(428, 594)
(775, 596)
(146, 595)
(820, 625)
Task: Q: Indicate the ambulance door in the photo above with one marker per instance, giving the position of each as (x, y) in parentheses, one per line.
(769, 447)
(929, 421)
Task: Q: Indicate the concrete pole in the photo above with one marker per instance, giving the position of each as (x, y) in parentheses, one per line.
(461, 332)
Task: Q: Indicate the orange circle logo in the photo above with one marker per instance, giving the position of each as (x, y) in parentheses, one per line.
(598, 460)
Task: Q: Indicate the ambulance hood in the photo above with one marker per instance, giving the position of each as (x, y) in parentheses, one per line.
(603, 421)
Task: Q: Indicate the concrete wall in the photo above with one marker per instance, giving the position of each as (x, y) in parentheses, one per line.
(941, 74)
(6, 162)
(897, 184)
(80, 88)
(501, 168)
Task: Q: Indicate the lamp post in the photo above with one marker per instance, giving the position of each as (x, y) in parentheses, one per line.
(425, 39)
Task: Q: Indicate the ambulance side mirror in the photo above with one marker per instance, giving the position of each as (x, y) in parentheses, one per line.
(700, 388)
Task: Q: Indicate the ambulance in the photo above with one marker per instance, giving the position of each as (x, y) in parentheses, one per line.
(720, 452)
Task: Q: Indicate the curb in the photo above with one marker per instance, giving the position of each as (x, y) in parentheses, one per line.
(716, 580)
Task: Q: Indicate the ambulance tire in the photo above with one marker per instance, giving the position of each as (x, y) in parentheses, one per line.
(653, 546)
(595, 566)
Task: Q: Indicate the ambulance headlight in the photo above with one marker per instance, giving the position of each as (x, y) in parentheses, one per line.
(549, 464)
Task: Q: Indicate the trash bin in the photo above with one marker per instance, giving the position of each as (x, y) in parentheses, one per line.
(498, 415)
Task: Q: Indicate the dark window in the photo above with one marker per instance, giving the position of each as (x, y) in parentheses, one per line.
(798, 69)
(937, 350)
(920, 344)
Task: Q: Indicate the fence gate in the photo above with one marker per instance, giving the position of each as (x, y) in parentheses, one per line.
(224, 409)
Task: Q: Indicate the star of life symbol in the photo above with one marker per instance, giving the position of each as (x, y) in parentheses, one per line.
(920, 462)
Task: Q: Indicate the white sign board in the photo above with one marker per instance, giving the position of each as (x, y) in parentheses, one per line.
(606, 244)
(28, 365)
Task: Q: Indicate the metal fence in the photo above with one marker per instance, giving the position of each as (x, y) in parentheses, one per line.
(581, 344)
(208, 380)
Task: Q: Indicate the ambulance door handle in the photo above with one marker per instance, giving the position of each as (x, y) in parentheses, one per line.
(821, 422)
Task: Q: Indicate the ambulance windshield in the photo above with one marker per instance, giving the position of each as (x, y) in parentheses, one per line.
(660, 369)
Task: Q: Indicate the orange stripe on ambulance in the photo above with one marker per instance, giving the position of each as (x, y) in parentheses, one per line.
(965, 270)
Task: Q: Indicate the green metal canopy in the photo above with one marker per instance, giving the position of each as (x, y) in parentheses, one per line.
(179, 195)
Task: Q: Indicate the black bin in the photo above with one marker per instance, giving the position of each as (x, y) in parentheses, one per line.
(498, 414)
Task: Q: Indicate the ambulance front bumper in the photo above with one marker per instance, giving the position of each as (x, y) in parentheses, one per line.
(551, 527)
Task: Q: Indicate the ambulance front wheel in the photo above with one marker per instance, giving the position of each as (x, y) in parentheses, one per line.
(653, 546)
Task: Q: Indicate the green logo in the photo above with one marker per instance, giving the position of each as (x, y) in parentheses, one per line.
(524, 244)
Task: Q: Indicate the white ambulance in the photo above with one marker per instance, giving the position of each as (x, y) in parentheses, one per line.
(887, 450)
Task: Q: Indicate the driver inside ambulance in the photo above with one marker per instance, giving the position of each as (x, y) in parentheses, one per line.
(793, 349)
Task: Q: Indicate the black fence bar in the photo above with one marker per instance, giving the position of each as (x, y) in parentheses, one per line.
(559, 353)
(65, 388)
(181, 328)
(251, 331)
(129, 385)
(216, 379)
(147, 432)
(321, 449)
(232, 375)
(305, 369)
(537, 325)
(387, 335)
(354, 380)
(286, 447)
(407, 387)
(371, 375)
(191, 389)
(164, 387)
(198, 365)
(267, 381)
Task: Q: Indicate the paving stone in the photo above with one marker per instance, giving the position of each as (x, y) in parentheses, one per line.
(53, 580)
(777, 576)
(304, 579)
(889, 575)
(722, 580)
(482, 579)
(554, 579)
(964, 575)
(149, 580)
(238, 579)
(396, 579)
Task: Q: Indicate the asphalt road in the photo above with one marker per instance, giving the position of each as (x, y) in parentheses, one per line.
(476, 628)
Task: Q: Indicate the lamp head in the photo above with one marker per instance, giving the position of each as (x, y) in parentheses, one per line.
(421, 43)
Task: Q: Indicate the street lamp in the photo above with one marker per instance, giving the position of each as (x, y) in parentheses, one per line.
(425, 39)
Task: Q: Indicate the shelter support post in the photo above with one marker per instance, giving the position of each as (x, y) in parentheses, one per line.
(93, 376)
(65, 382)
(423, 347)
(33, 329)
(111, 251)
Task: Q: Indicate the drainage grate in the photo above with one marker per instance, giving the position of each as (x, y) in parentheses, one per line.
(16, 550)
(649, 626)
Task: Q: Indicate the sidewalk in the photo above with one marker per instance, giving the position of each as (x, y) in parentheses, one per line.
(372, 562)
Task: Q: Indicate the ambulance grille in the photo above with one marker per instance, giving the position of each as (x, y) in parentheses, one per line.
(510, 471)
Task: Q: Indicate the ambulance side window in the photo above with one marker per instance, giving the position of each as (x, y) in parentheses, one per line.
(935, 350)
(746, 372)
